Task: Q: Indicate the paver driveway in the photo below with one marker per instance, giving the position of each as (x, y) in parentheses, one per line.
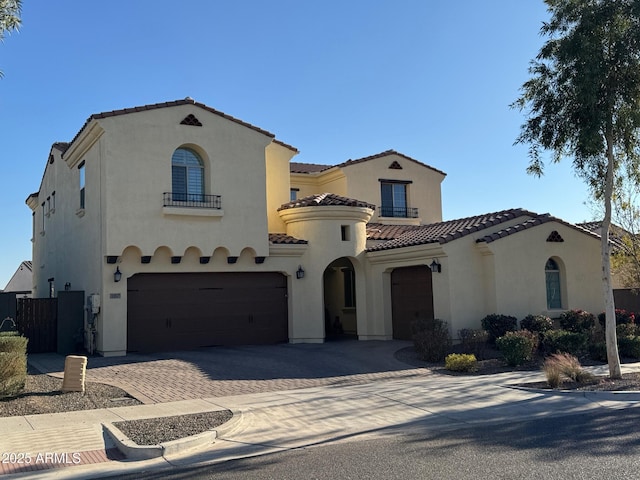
(224, 371)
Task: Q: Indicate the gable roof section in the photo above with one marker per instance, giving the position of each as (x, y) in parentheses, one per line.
(186, 101)
(533, 222)
(325, 200)
(296, 167)
(399, 236)
(443, 232)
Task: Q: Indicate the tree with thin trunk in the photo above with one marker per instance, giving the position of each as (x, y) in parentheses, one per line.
(583, 102)
(9, 17)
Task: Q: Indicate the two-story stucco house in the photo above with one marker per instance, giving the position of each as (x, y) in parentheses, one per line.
(186, 227)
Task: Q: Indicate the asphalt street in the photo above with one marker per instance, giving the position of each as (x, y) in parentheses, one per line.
(603, 444)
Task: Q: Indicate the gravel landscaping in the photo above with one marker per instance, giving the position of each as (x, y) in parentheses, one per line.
(154, 431)
(42, 395)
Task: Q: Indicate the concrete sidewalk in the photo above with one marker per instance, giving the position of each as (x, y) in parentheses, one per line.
(273, 421)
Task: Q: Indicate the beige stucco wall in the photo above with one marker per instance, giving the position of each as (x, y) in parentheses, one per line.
(322, 226)
(277, 159)
(505, 276)
(520, 275)
(363, 183)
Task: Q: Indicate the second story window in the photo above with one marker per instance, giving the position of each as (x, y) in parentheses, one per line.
(187, 176)
(82, 181)
(394, 199)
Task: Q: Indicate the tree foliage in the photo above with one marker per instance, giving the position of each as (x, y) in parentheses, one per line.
(583, 102)
(9, 17)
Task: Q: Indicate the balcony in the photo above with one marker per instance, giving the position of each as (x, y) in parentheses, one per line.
(195, 200)
(398, 212)
(192, 204)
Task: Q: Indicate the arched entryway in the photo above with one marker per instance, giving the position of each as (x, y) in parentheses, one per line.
(339, 281)
(411, 298)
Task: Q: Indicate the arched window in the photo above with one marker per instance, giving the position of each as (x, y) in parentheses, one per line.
(187, 176)
(552, 279)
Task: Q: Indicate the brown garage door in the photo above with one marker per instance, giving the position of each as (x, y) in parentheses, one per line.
(170, 311)
(411, 297)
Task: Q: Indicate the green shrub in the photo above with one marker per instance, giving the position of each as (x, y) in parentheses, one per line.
(626, 330)
(13, 343)
(622, 317)
(461, 362)
(598, 351)
(517, 347)
(559, 341)
(13, 363)
(474, 341)
(629, 347)
(536, 323)
(577, 321)
(497, 325)
(431, 339)
(560, 366)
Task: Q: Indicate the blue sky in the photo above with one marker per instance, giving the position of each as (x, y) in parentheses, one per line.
(338, 79)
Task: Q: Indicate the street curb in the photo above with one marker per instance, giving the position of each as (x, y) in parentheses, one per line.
(623, 396)
(133, 451)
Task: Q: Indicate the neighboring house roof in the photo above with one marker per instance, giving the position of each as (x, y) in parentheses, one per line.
(326, 199)
(62, 146)
(186, 101)
(283, 238)
(20, 281)
(296, 167)
(616, 233)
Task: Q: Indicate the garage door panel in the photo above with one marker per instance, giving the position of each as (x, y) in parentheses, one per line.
(411, 298)
(174, 311)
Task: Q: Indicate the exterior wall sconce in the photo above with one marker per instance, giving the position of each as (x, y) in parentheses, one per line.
(435, 266)
(117, 275)
(300, 272)
(67, 287)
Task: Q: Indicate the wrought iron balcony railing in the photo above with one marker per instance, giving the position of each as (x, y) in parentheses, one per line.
(399, 212)
(194, 200)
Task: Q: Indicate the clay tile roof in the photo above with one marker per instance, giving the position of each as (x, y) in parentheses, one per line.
(533, 222)
(296, 167)
(283, 238)
(385, 154)
(444, 232)
(315, 168)
(185, 101)
(380, 231)
(324, 200)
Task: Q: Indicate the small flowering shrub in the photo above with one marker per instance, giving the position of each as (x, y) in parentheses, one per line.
(622, 317)
(517, 347)
(629, 347)
(497, 325)
(536, 323)
(461, 362)
(563, 341)
(577, 321)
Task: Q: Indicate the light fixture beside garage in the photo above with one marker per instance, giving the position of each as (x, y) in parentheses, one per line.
(436, 267)
(300, 272)
(117, 275)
